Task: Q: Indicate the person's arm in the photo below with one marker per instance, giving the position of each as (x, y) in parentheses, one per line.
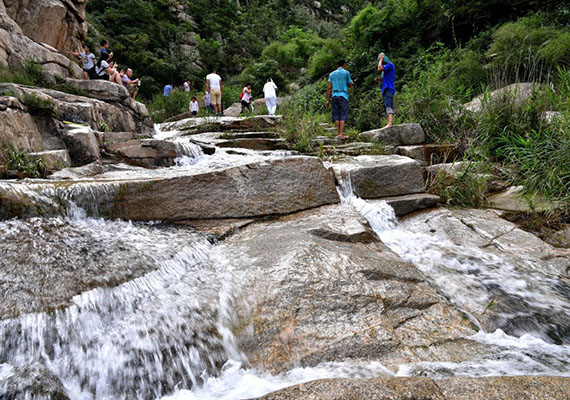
(73, 53)
(329, 90)
(207, 85)
(380, 66)
(221, 88)
(349, 84)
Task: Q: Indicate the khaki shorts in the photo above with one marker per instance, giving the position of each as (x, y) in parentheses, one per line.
(216, 95)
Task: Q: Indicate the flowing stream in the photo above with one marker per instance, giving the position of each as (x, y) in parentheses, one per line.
(163, 326)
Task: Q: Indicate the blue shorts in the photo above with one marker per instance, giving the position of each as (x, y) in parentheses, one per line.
(339, 109)
(388, 98)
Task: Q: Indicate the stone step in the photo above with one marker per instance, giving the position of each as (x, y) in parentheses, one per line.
(54, 159)
(429, 154)
(409, 203)
(374, 177)
(396, 135)
(254, 143)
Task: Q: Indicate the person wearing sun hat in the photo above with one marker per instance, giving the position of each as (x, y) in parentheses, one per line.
(388, 88)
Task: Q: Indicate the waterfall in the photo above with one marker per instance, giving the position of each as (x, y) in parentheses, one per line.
(188, 154)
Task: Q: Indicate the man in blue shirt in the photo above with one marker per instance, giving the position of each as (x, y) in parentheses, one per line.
(339, 82)
(167, 90)
(388, 89)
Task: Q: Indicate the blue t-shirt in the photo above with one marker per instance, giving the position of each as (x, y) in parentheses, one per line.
(167, 90)
(389, 78)
(340, 79)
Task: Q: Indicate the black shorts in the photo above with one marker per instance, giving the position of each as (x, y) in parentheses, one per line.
(194, 113)
(104, 77)
(339, 109)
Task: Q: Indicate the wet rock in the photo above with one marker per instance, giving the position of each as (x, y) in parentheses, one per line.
(254, 143)
(503, 276)
(98, 89)
(148, 153)
(270, 187)
(505, 388)
(397, 135)
(410, 203)
(82, 144)
(326, 289)
(95, 168)
(54, 159)
(519, 92)
(30, 382)
(373, 177)
(491, 388)
(220, 228)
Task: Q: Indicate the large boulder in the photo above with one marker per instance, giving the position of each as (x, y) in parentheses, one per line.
(372, 177)
(514, 199)
(17, 49)
(30, 381)
(490, 388)
(396, 135)
(322, 287)
(82, 144)
(59, 23)
(270, 187)
(518, 92)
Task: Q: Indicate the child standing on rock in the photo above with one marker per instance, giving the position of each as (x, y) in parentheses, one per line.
(193, 107)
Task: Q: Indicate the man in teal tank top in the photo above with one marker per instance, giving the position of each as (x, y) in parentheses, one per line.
(339, 82)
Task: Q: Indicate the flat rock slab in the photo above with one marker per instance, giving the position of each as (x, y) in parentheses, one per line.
(410, 203)
(373, 177)
(322, 287)
(220, 124)
(148, 153)
(254, 143)
(396, 135)
(99, 89)
(429, 153)
(272, 186)
(490, 388)
(54, 159)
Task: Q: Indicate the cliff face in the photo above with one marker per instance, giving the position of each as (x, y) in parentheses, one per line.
(37, 30)
(59, 23)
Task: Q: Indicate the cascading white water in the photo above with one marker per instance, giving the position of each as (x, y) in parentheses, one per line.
(464, 274)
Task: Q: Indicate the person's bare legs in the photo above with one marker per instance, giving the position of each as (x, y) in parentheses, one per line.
(341, 125)
(86, 75)
(116, 78)
(390, 117)
(337, 125)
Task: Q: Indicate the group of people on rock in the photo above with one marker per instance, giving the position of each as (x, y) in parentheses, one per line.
(337, 92)
(104, 68)
(214, 89)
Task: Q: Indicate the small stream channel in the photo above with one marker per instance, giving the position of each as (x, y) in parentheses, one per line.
(166, 324)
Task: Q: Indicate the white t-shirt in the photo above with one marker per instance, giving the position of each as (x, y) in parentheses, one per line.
(269, 90)
(87, 60)
(246, 96)
(194, 106)
(186, 87)
(102, 69)
(214, 80)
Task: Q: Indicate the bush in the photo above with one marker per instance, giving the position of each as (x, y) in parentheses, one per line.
(466, 189)
(162, 107)
(20, 160)
(39, 105)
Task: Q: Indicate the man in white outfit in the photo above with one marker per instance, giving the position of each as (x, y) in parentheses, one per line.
(215, 88)
(270, 93)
